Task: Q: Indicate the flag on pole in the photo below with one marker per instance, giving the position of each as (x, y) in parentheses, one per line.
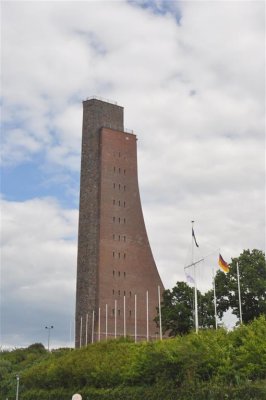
(223, 264)
(189, 278)
(193, 235)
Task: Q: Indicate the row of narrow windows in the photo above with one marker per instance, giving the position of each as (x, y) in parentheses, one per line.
(119, 186)
(119, 292)
(119, 220)
(119, 170)
(119, 203)
(119, 255)
(119, 274)
(121, 238)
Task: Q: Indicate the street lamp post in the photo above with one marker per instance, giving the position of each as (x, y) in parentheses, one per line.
(49, 329)
(17, 376)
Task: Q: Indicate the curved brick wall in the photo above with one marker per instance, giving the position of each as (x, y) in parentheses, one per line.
(115, 261)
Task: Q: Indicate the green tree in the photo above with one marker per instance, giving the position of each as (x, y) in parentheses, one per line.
(252, 272)
(206, 310)
(177, 310)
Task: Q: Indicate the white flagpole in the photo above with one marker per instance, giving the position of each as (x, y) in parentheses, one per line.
(99, 326)
(239, 293)
(70, 333)
(160, 315)
(86, 329)
(214, 300)
(195, 285)
(115, 316)
(135, 318)
(92, 327)
(80, 333)
(147, 303)
(124, 316)
(106, 321)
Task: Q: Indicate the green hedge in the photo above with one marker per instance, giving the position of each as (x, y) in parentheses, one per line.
(247, 391)
(210, 365)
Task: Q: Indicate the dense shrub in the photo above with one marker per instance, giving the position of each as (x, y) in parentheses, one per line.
(211, 365)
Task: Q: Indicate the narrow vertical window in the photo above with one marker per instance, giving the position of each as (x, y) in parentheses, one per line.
(113, 202)
(124, 241)
(124, 274)
(113, 273)
(119, 186)
(113, 254)
(119, 202)
(124, 172)
(118, 255)
(113, 219)
(124, 256)
(119, 154)
(130, 313)
(124, 220)
(118, 273)
(114, 169)
(113, 236)
(124, 204)
(124, 188)
(113, 291)
(114, 185)
(119, 170)
(130, 294)
(118, 312)
(119, 238)
(124, 292)
(118, 292)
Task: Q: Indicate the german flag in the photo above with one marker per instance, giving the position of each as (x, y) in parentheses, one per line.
(223, 264)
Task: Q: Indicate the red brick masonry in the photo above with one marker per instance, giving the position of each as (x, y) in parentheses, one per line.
(115, 261)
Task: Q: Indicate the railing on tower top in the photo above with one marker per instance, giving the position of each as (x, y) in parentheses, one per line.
(102, 99)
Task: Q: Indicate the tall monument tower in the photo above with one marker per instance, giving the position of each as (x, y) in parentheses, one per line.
(117, 279)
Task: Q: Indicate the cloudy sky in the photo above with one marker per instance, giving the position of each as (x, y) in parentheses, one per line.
(190, 76)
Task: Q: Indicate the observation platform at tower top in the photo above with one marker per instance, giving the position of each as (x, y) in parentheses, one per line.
(102, 99)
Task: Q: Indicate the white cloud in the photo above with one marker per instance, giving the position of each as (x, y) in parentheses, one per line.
(38, 264)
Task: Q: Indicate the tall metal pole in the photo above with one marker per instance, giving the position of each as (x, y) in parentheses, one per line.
(92, 327)
(115, 318)
(124, 316)
(239, 293)
(86, 329)
(49, 328)
(80, 333)
(160, 314)
(214, 300)
(99, 326)
(147, 304)
(135, 318)
(195, 285)
(106, 321)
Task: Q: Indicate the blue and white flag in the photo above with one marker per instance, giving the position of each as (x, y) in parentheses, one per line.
(189, 278)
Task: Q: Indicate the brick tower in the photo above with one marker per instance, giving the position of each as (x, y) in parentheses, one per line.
(117, 279)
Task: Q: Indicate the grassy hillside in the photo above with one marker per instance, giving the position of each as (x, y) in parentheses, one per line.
(210, 365)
